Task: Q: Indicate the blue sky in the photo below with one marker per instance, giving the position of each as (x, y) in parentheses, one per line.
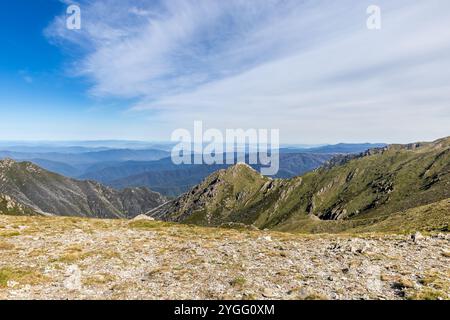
(141, 69)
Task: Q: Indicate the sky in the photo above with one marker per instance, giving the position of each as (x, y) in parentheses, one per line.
(141, 69)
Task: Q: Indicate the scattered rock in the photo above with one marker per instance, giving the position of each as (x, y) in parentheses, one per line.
(115, 260)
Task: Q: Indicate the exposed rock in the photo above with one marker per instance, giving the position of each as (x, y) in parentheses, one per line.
(266, 238)
(417, 237)
(73, 280)
(268, 293)
(143, 217)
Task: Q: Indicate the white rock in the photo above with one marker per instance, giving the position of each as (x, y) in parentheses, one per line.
(73, 280)
(268, 293)
(417, 237)
(143, 217)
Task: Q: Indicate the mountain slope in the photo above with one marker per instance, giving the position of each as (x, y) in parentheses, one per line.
(46, 192)
(220, 197)
(8, 206)
(375, 184)
(57, 167)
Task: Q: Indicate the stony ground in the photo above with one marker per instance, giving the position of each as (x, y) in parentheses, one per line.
(68, 258)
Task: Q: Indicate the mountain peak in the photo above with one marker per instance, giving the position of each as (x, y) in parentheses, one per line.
(227, 190)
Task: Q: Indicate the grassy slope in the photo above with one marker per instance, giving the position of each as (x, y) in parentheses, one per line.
(228, 194)
(363, 191)
(371, 187)
(434, 217)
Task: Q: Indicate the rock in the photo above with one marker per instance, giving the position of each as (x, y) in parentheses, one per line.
(417, 237)
(143, 217)
(373, 279)
(12, 284)
(266, 238)
(73, 280)
(446, 253)
(268, 293)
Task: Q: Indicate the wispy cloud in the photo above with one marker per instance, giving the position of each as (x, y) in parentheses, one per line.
(311, 68)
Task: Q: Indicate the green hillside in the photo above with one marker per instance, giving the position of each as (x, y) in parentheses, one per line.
(357, 191)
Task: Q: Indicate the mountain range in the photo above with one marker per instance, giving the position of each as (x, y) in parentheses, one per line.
(153, 168)
(172, 180)
(385, 188)
(354, 191)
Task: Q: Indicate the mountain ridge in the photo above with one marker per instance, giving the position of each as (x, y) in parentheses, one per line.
(46, 192)
(375, 183)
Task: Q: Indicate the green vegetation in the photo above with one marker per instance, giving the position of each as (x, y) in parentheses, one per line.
(238, 282)
(22, 276)
(400, 188)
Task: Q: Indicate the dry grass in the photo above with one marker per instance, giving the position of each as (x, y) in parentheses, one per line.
(6, 246)
(21, 276)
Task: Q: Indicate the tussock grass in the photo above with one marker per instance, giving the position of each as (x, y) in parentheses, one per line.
(22, 276)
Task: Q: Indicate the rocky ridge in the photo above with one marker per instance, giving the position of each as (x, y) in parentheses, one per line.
(43, 192)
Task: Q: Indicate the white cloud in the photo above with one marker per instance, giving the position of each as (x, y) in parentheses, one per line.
(310, 68)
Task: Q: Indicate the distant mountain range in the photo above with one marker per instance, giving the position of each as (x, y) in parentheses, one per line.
(89, 158)
(171, 180)
(26, 188)
(337, 148)
(408, 184)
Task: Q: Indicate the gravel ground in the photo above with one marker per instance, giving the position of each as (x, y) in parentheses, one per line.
(70, 258)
